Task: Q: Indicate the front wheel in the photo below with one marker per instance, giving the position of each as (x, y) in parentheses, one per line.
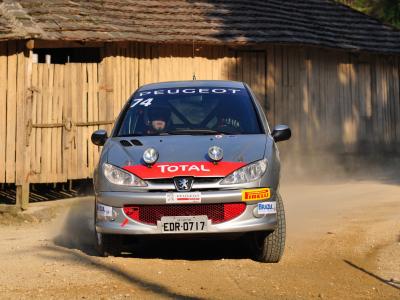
(108, 244)
(268, 247)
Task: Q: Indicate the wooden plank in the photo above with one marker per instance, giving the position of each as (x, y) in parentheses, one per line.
(374, 96)
(322, 73)
(278, 85)
(128, 77)
(74, 79)
(368, 103)
(384, 104)
(348, 106)
(390, 110)
(216, 63)
(27, 97)
(67, 117)
(291, 100)
(59, 80)
(11, 111)
(396, 100)
(39, 114)
(135, 64)
(90, 116)
(299, 96)
(52, 176)
(162, 63)
(32, 140)
(225, 63)
(302, 95)
(45, 168)
(80, 107)
(21, 197)
(208, 63)
(3, 109)
(205, 64)
(270, 89)
(187, 66)
(315, 95)
(95, 84)
(309, 97)
(148, 77)
(21, 106)
(230, 63)
(110, 78)
(261, 78)
(85, 129)
(333, 91)
(104, 86)
(124, 83)
(114, 68)
(155, 64)
(392, 103)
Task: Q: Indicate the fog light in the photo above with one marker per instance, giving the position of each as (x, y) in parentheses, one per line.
(150, 156)
(105, 213)
(215, 153)
(256, 214)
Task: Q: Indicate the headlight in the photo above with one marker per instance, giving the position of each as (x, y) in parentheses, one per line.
(150, 156)
(215, 153)
(251, 172)
(118, 176)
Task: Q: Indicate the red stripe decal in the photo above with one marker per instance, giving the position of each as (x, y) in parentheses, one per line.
(124, 222)
(195, 169)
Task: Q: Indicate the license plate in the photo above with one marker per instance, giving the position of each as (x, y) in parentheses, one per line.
(183, 224)
(183, 197)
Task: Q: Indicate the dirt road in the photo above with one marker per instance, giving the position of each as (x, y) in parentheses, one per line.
(343, 243)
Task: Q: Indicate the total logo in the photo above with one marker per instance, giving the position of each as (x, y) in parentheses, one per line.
(191, 169)
(182, 168)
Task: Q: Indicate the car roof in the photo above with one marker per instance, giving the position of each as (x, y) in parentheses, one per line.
(192, 84)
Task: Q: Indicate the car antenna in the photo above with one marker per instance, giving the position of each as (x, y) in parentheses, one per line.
(194, 72)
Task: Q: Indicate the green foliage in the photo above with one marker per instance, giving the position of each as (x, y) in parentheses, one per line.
(386, 10)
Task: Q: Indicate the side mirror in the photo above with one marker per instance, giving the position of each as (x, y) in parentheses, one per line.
(281, 133)
(99, 137)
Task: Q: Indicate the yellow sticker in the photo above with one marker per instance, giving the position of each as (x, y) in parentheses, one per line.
(256, 194)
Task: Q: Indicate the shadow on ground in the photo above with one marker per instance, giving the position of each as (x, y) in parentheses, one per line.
(53, 253)
(392, 283)
(78, 233)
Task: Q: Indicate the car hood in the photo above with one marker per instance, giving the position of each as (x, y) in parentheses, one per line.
(185, 155)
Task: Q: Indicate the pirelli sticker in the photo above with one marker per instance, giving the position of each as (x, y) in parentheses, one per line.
(256, 194)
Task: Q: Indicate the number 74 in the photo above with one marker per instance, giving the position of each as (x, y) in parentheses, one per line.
(142, 101)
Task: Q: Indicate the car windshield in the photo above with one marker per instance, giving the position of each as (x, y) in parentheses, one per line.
(194, 111)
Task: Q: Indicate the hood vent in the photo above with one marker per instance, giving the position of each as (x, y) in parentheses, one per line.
(125, 143)
(137, 142)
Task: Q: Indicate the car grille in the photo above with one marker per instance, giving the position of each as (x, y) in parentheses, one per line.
(217, 213)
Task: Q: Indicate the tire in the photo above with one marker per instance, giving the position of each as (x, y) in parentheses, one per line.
(268, 247)
(108, 244)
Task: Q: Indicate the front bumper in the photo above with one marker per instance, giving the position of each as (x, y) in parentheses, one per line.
(121, 224)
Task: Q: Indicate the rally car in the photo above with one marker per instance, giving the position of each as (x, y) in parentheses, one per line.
(191, 158)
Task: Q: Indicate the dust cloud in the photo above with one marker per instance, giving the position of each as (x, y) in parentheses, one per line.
(75, 229)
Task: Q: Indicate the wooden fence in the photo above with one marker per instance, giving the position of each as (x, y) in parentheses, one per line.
(48, 111)
(66, 109)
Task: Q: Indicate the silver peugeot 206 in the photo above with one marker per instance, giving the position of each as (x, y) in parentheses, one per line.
(191, 159)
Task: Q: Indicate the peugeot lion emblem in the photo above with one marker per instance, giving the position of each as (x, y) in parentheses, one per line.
(183, 184)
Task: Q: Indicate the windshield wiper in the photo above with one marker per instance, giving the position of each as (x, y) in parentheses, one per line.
(196, 132)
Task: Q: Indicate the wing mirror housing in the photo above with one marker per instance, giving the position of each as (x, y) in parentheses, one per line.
(281, 133)
(99, 137)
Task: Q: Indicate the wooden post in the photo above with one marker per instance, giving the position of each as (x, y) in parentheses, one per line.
(24, 109)
(22, 196)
